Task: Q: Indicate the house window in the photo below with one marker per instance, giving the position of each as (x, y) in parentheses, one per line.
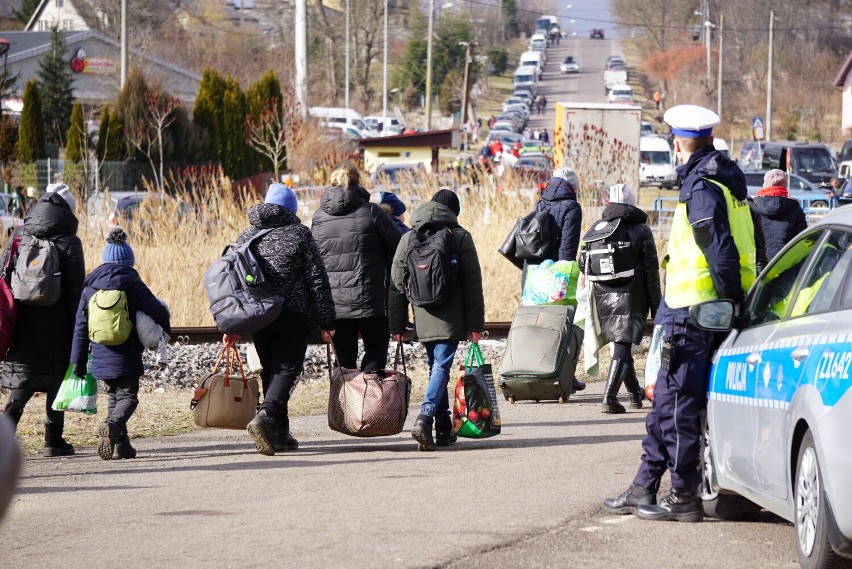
(42, 26)
(66, 24)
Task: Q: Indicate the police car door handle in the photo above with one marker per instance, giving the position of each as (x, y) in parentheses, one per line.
(753, 358)
(800, 353)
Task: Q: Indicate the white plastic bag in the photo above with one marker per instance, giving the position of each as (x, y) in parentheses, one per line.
(654, 361)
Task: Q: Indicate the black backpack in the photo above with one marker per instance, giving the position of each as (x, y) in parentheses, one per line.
(241, 300)
(431, 266)
(610, 256)
(536, 238)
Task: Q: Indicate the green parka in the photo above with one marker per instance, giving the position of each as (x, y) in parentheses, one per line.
(464, 311)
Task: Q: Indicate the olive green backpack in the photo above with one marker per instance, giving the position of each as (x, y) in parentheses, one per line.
(109, 318)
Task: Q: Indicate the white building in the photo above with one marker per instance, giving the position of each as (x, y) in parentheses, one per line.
(843, 83)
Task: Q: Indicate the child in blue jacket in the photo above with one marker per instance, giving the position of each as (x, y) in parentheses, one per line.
(118, 366)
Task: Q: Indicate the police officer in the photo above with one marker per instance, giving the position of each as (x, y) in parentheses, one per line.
(711, 254)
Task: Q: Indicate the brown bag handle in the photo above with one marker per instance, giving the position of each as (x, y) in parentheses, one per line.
(400, 356)
(231, 355)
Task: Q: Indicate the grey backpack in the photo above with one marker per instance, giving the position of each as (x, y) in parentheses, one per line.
(37, 279)
(241, 300)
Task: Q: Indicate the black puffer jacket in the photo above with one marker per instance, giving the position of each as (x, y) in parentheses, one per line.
(622, 310)
(560, 201)
(41, 346)
(291, 261)
(357, 240)
(781, 218)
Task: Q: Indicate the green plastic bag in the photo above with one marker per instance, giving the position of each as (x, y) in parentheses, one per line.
(77, 394)
(475, 412)
(551, 283)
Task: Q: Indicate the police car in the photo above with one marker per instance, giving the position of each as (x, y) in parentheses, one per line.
(779, 411)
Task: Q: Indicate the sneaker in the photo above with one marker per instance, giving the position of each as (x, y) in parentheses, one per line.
(108, 435)
(262, 430)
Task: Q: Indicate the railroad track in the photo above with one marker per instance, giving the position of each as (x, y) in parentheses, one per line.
(209, 334)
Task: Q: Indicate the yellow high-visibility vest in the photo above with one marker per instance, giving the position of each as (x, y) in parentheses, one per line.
(688, 278)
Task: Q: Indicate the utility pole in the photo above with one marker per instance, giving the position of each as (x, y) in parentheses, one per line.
(429, 66)
(301, 51)
(385, 76)
(708, 36)
(346, 88)
(769, 76)
(466, 88)
(123, 42)
(719, 80)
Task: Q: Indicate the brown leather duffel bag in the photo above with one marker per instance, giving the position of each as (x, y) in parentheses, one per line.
(225, 400)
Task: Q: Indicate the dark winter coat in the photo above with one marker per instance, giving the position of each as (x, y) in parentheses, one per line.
(41, 345)
(622, 310)
(560, 201)
(291, 261)
(781, 218)
(357, 239)
(125, 360)
(464, 311)
(759, 238)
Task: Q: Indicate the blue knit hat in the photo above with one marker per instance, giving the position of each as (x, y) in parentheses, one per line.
(396, 204)
(117, 251)
(279, 194)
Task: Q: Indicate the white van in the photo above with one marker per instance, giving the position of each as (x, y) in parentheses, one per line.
(538, 42)
(722, 146)
(620, 92)
(533, 59)
(656, 166)
(342, 116)
(527, 77)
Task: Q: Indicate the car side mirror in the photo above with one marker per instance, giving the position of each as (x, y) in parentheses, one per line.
(714, 315)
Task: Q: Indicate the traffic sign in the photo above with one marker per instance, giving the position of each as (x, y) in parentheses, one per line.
(757, 128)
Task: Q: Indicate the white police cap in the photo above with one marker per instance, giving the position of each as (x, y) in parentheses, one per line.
(691, 121)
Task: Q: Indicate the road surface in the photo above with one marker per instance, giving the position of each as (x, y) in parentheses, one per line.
(528, 498)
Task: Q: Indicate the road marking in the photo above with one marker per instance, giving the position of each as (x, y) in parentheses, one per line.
(590, 528)
(618, 520)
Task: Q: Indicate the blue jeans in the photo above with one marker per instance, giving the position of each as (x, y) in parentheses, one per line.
(440, 355)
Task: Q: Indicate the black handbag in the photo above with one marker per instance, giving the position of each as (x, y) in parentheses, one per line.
(508, 248)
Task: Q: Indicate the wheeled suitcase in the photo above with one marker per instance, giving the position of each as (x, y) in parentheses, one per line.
(541, 354)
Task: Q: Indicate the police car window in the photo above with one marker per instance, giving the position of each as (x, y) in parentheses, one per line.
(826, 275)
(774, 291)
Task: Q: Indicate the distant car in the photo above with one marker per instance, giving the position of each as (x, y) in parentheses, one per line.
(391, 177)
(645, 128)
(115, 208)
(622, 101)
(800, 188)
(620, 92)
(508, 139)
(515, 100)
(503, 126)
(8, 206)
(535, 170)
(615, 61)
(596, 34)
(779, 395)
(392, 128)
(531, 147)
(569, 65)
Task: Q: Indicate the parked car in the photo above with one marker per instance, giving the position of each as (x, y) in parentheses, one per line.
(615, 60)
(596, 34)
(620, 92)
(784, 370)
(508, 139)
(808, 159)
(390, 177)
(515, 100)
(8, 206)
(800, 188)
(116, 208)
(392, 127)
(569, 65)
(534, 170)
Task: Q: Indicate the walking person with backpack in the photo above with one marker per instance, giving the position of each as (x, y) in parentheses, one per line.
(106, 325)
(436, 269)
(357, 240)
(47, 282)
(619, 258)
(292, 265)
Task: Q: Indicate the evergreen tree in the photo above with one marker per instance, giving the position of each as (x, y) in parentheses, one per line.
(259, 97)
(103, 135)
(27, 9)
(208, 114)
(31, 131)
(509, 10)
(236, 155)
(115, 149)
(57, 96)
(446, 54)
(75, 149)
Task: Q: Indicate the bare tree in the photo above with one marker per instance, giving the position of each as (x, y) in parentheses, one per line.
(147, 134)
(267, 134)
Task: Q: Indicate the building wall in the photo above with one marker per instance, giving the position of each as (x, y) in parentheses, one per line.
(101, 87)
(59, 13)
(846, 116)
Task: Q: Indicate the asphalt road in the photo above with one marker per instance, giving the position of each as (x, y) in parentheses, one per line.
(529, 497)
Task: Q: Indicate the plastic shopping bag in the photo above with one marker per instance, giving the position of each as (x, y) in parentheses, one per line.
(475, 412)
(653, 362)
(77, 394)
(551, 283)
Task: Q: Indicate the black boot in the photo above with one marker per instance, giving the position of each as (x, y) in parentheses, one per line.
(14, 410)
(617, 371)
(284, 441)
(54, 444)
(628, 501)
(444, 435)
(422, 432)
(679, 505)
(262, 430)
(108, 434)
(577, 386)
(631, 382)
(123, 448)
